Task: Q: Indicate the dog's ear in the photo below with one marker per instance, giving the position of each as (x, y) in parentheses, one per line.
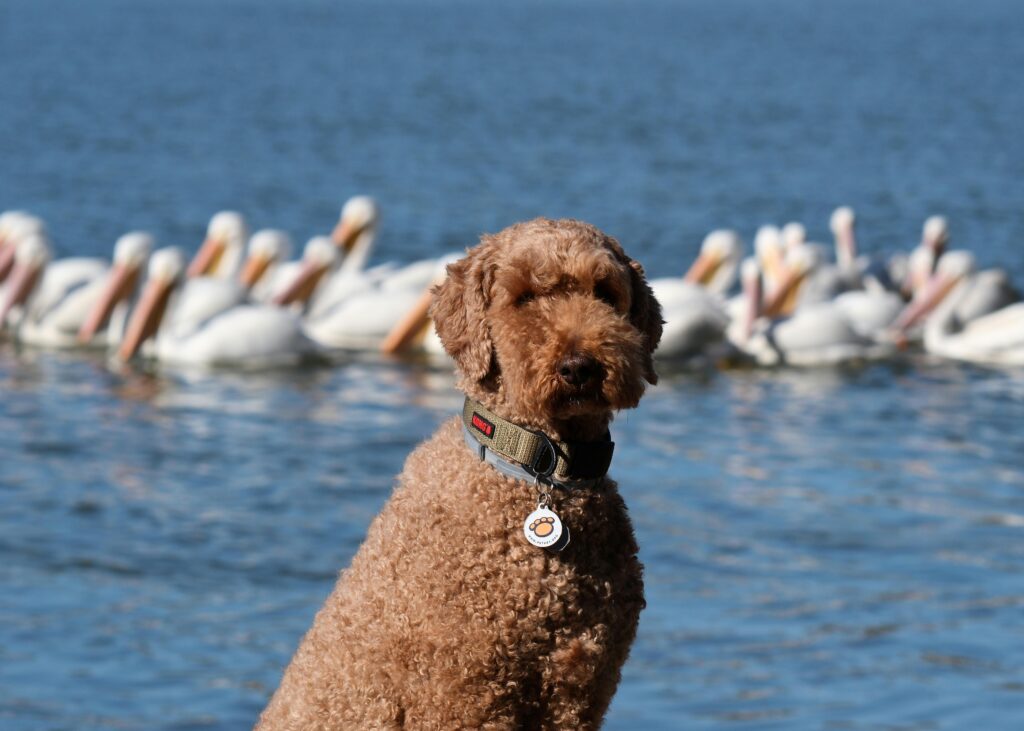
(459, 312)
(645, 314)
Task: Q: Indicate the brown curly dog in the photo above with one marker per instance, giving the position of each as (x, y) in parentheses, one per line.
(448, 618)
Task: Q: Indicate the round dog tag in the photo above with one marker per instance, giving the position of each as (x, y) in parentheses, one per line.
(544, 529)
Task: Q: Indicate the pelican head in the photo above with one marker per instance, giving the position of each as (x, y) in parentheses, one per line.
(768, 242)
(133, 249)
(130, 254)
(166, 265)
(9, 222)
(266, 247)
(935, 233)
(841, 220)
(793, 234)
(715, 267)
(359, 214)
(222, 250)
(953, 268)
(842, 223)
(799, 263)
(320, 256)
(30, 258)
(769, 250)
(32, 251)
(15, 226)
(166, 268)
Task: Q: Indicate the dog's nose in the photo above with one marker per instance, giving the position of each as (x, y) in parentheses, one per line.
(578, 369)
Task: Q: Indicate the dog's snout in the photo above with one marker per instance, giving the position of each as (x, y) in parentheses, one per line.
(578, 369)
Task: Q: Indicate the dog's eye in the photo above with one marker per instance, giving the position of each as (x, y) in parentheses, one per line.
(525, 298)
(606, 294)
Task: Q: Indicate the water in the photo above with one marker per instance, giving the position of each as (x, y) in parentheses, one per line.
(824, 549)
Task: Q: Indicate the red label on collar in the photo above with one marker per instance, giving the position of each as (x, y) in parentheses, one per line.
(482, 425)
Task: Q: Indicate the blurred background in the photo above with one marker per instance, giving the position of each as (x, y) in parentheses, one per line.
(825, 548)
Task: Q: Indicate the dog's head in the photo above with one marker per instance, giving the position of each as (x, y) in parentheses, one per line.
(549, 320)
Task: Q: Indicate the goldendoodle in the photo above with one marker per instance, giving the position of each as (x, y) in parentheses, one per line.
(499, 588)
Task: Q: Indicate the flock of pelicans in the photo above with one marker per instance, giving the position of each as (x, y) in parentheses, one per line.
(240, 302)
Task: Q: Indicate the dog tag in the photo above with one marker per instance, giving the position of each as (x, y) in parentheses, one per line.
(544, 529)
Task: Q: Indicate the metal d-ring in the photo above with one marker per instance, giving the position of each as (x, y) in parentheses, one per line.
(551, 452)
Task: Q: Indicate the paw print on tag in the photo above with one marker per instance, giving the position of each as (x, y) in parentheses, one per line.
(543, 526)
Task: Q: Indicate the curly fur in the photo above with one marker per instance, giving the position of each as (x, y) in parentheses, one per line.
(447, 618)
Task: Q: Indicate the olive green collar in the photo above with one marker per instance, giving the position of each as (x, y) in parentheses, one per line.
(532, 455)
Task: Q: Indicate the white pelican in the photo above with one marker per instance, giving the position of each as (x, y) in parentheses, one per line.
(414, 330)
(247, 336)
(770, 250)
(15, 226)
(354, 235)
(793, 234)
(221, 253)
(693, 306)
(842, 222)
(365, 318)
(105, 318)
(815, 335)
(980, 294)
(922, 261)
(868, 311)
(356, 230)
(266, 272)
(320, 257)
(828, 281)
(995, 338)
(44, 303)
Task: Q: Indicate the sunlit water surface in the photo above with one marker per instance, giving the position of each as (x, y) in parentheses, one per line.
(824, 549)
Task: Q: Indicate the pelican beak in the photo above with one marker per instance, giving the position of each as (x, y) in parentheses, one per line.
(207, 258)
(301, 289)
(119, 287)
(847, 247)
(935, 291)
(6, 260)
(783, 300)
(411, 327)
(23, 281)
(345, 235)
(752, 290)
(703, 268)
(255, 267)
(773, 266)
(147, 316)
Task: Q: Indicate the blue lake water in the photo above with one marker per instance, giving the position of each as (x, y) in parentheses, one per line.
(833, 549)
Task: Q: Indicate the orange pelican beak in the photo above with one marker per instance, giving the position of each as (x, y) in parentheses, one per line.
(773, 265)
(255, 267)
(207, 258)
(783, 300)
(936, 291)
(752, 292)
(119, 287)
(411, 327)
(23, 281)
(301, 289)
(345, 235)
(147, 316)
(846, 241)
(6, 260)
(703, 268)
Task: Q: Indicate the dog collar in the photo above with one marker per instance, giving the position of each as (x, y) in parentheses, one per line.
(532, 455)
